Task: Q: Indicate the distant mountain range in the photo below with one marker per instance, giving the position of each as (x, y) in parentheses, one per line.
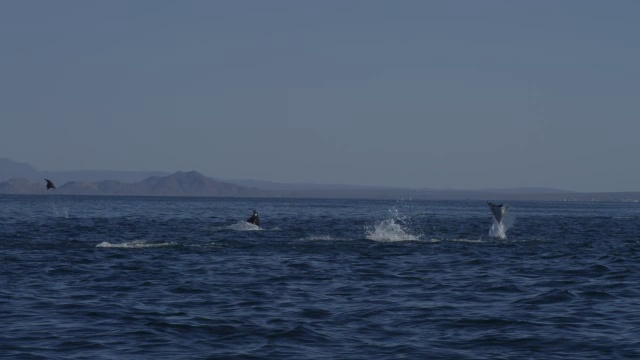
(22, 178)
(178, 184)
(10, 169)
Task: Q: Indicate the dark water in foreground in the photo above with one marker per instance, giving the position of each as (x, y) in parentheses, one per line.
(169, 278)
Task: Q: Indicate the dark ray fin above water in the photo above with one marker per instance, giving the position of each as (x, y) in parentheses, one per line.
(498, 211)
(50, 184)
(254, 219)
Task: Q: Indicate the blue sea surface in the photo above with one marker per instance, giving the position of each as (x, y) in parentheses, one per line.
(188, 278)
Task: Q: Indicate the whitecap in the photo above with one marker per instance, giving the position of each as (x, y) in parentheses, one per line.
(319, 238)
(469, 240)
(136, 244)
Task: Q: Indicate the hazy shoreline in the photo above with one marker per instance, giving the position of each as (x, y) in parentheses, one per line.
(21, 178)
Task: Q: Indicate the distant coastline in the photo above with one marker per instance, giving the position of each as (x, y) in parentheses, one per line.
(21, 178)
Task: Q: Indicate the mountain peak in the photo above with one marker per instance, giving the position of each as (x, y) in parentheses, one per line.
(188, 173)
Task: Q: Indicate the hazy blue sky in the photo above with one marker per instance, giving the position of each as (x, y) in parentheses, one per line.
(436, 94)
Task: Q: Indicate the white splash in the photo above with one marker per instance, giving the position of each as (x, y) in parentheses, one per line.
(136, 244)
(244, 226)
(389, 230)
(499, 230)
(64, 212)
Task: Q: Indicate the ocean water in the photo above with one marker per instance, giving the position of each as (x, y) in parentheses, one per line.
(187, 278)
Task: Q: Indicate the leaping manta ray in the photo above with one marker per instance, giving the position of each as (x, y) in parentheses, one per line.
(498, 211)
(50, 184)
(254, 219)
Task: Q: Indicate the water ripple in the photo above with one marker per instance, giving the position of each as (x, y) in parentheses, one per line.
(184, 278)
